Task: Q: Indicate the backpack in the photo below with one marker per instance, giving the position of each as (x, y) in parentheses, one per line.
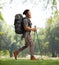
(18, 24)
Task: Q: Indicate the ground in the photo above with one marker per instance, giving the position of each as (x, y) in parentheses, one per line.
(23, 61)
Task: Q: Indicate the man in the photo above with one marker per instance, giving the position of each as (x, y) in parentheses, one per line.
(28, 39)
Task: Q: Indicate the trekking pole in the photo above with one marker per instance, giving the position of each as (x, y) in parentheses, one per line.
(38, 42)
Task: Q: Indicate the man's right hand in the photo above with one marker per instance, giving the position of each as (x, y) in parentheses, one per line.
(34, 29)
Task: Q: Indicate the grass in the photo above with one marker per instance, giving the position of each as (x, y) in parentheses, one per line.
(28, 62)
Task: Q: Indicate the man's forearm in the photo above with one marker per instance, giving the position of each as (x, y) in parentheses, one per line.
(28, 28)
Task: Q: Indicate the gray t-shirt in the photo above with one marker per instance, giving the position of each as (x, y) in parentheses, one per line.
(27, 23)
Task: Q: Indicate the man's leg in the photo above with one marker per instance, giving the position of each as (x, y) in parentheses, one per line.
(31, 47)
(24, 47)
(17, 52)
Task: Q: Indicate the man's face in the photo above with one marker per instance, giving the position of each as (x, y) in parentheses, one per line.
(28, 14)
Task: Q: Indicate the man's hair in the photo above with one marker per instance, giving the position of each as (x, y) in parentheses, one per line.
(25, 12)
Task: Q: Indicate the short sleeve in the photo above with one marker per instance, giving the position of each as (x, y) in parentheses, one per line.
(25, 22)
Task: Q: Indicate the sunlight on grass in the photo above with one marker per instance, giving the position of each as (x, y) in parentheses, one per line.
(28, 62)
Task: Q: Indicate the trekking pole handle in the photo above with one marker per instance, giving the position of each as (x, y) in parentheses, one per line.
(35, 27)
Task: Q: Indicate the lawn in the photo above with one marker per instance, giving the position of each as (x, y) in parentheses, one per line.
(28, 62)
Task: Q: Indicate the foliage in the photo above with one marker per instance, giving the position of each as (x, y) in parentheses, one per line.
(1, 18)
(48, 37)
(52, 34)
(4, 53)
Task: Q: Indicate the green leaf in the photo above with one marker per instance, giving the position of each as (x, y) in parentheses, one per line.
(1, 33)
(0, 7)
(1, 18)
(54, 2)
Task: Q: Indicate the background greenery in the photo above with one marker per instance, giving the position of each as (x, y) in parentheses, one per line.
(48, 37)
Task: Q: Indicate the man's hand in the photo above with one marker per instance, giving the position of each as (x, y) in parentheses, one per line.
(34, 29)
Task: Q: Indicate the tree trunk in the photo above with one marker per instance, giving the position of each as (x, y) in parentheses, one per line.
(54, 54)
(11, 53)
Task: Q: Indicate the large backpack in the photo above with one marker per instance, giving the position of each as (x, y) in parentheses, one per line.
(18, 24)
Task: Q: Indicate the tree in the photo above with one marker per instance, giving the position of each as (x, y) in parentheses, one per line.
(52, 30)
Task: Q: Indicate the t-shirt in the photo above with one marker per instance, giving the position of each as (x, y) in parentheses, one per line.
(27, 23)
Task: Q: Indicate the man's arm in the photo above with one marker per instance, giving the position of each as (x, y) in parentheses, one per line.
(30, 29)
(26, 27)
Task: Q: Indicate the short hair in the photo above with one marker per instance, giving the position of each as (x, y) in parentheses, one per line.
(25, 12)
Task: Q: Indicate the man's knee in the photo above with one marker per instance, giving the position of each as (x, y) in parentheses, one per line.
(26, 45)
(32, 44)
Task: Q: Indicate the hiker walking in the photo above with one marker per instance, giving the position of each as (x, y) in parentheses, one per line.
(27, 36)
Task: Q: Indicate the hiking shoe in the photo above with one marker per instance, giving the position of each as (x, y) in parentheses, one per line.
(15, 54)
(33, 58)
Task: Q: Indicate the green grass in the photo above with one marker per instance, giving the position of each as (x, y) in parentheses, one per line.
(28, 62)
